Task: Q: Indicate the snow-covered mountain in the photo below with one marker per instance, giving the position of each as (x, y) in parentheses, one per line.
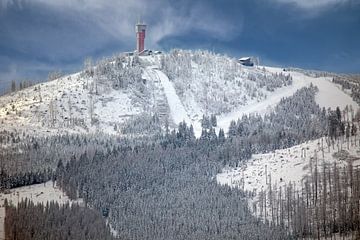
(139, 96)
(127, 94)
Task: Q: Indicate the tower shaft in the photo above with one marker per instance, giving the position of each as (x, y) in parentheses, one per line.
(140, 29)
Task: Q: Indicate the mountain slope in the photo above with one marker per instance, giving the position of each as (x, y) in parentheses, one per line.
(290, 165)
(180, 85)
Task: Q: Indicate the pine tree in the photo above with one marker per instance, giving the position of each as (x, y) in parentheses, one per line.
(205, 122)
(232, 129)
(221, 136)
(213, 120)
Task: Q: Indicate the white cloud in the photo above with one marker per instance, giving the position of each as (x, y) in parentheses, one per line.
(313, 4)
(117, 17)
(4, 4)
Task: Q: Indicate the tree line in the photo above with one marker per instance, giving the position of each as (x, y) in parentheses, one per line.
(295, 119)
(23, 179)
(52, 221)
(349, 83)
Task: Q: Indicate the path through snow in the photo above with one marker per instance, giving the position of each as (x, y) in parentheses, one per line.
(177, 110)
(329, 95)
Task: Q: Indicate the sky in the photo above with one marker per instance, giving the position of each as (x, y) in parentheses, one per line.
(41, 36)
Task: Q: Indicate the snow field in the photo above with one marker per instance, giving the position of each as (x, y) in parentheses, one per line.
(178, 112)
(288, 165)
(23, 111)
(38, 193)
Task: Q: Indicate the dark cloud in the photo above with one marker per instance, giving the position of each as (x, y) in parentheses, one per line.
(38, 36)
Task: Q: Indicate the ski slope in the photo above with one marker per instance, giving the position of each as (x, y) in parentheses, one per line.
(324, 98)
(178, 112)
(329, 96)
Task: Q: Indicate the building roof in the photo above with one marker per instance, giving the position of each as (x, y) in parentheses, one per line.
(245, 59)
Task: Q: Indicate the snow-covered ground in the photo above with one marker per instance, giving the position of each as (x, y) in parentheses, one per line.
(177, 110)
(190, 111)
(38, 193)
(114, 108)
(289, 165)
(68, 100)
(329, 96)
(65, 106)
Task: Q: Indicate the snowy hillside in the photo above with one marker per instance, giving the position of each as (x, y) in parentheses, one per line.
(118, 93)
(37, 193)
(271, 179)
(291, 164)
(135, 182)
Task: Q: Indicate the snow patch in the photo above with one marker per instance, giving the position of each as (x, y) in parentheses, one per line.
(38, 193)
(288, 165)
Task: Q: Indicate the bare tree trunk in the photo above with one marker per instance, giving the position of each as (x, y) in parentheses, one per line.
(288, 204)
(271, 200)
(324, 202)
(265, 205)
(322, 147)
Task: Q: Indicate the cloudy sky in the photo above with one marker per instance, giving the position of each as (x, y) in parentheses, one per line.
(38, 36)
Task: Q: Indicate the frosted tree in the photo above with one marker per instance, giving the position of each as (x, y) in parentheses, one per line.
(213, 120)
(354, 132)
(13, 86)
(88, 70)
(39, 90)
(91, 109)
(52, 112)
(95, 81)
(54, 75)
(205, 122)
(70, 110)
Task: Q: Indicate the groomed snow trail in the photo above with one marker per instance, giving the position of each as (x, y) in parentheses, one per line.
(329, 95)
(177, 110)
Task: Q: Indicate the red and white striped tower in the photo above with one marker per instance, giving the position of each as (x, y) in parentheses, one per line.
(140, 29)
